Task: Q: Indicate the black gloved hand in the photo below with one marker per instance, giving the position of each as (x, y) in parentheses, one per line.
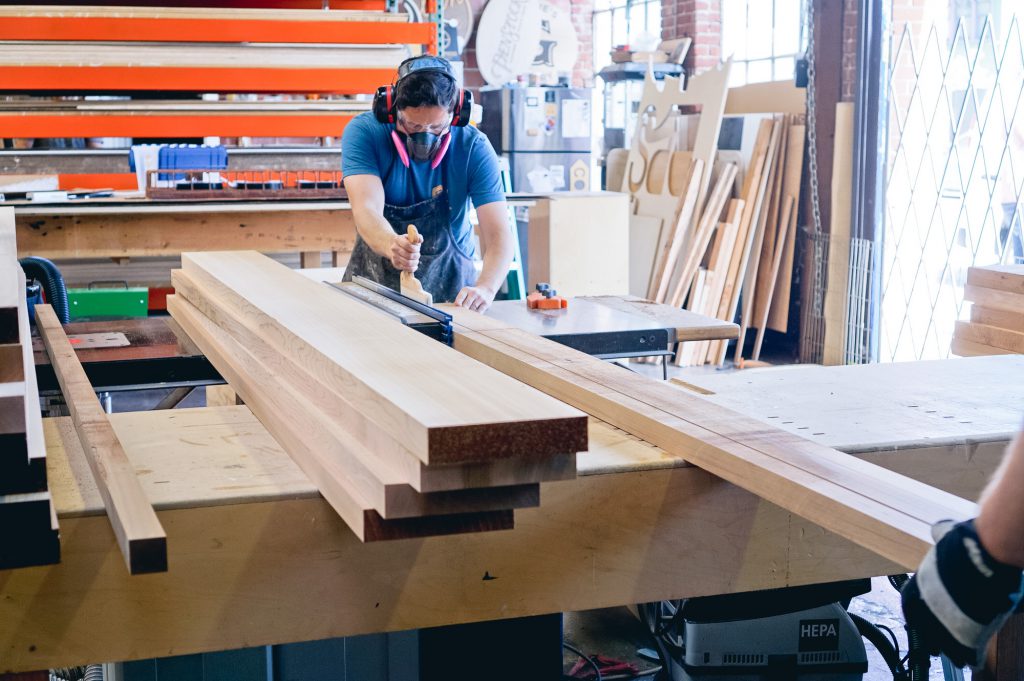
(960, 595)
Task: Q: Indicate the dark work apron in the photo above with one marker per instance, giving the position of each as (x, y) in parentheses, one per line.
(444, 268)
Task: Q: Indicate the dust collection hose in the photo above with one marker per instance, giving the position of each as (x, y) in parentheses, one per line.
(50, 277)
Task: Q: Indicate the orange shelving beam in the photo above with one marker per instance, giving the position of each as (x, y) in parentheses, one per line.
(342, 81)
(149, 29)
(170, 126)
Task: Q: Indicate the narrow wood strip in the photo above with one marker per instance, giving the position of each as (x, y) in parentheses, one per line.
(140, 536)
(769, 283)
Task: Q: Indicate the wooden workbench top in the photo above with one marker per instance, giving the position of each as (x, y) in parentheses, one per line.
(257, 557)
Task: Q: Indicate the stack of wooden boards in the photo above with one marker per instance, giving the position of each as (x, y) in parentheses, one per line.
(997, 312)
(714, 200)
(402, 435)
(66, 48)
(28, 525)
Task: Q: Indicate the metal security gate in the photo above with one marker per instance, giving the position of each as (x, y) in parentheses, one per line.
(955, 178)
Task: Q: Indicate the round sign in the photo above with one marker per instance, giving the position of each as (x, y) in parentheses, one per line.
(508, 39)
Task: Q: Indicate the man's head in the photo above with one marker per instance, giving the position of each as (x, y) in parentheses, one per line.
(424, 103)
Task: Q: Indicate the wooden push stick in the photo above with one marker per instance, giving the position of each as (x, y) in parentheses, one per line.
(142, 539)
(411, 286)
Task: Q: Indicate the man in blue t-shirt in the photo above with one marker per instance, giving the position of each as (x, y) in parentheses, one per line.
(414, 161)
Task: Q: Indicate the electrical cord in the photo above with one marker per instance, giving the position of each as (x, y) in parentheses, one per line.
(585, 657)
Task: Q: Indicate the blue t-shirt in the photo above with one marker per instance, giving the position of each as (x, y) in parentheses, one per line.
(472, 167)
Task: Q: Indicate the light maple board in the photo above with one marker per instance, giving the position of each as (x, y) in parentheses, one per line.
(891, 515)
(443, 407)
(140, 535)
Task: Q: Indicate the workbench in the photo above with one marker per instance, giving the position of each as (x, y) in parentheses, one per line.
(258, 557)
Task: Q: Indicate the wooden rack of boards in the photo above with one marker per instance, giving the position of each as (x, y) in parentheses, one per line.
(106, 50)
(996, 326)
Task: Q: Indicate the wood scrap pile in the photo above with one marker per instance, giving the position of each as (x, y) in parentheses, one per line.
(997, 312)
(714, 202)
(402, 435)
(28, 525)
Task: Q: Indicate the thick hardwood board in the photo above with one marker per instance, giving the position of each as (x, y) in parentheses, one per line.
(968, 348)
(990, 335)
(1009, 278)
(888, 514)
(379, 455)
(442, 406)
(994, 298)
(1004, 319)
(140, 536)
(317, 447)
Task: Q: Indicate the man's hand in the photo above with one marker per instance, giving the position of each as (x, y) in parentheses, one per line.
(960, 595)
(405, 255)
(476, 298)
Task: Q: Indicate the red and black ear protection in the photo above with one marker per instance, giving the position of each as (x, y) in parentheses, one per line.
(384, 109)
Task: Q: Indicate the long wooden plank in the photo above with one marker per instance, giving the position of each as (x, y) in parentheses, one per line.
(777, 252)
(699, 243)
(839, 238)
(994, 298)
(378, 455)
(152, 230)
(750, 193)
(1009, 278)
(887, 513)
(336, 478)
(443, 407)
(778, 319)
(751, 250)
(673, 245)
(140, 536)
(966, 348)
(990, 335)
(379, 467)
(1004, 319)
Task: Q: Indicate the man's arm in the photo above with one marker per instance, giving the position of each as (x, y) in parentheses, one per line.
(1000, 523)
(366, 194)
(496, 241)
(970, 581)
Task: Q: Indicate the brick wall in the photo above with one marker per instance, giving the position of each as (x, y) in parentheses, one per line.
(700, 20)
(581, 11)
(851, 15)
